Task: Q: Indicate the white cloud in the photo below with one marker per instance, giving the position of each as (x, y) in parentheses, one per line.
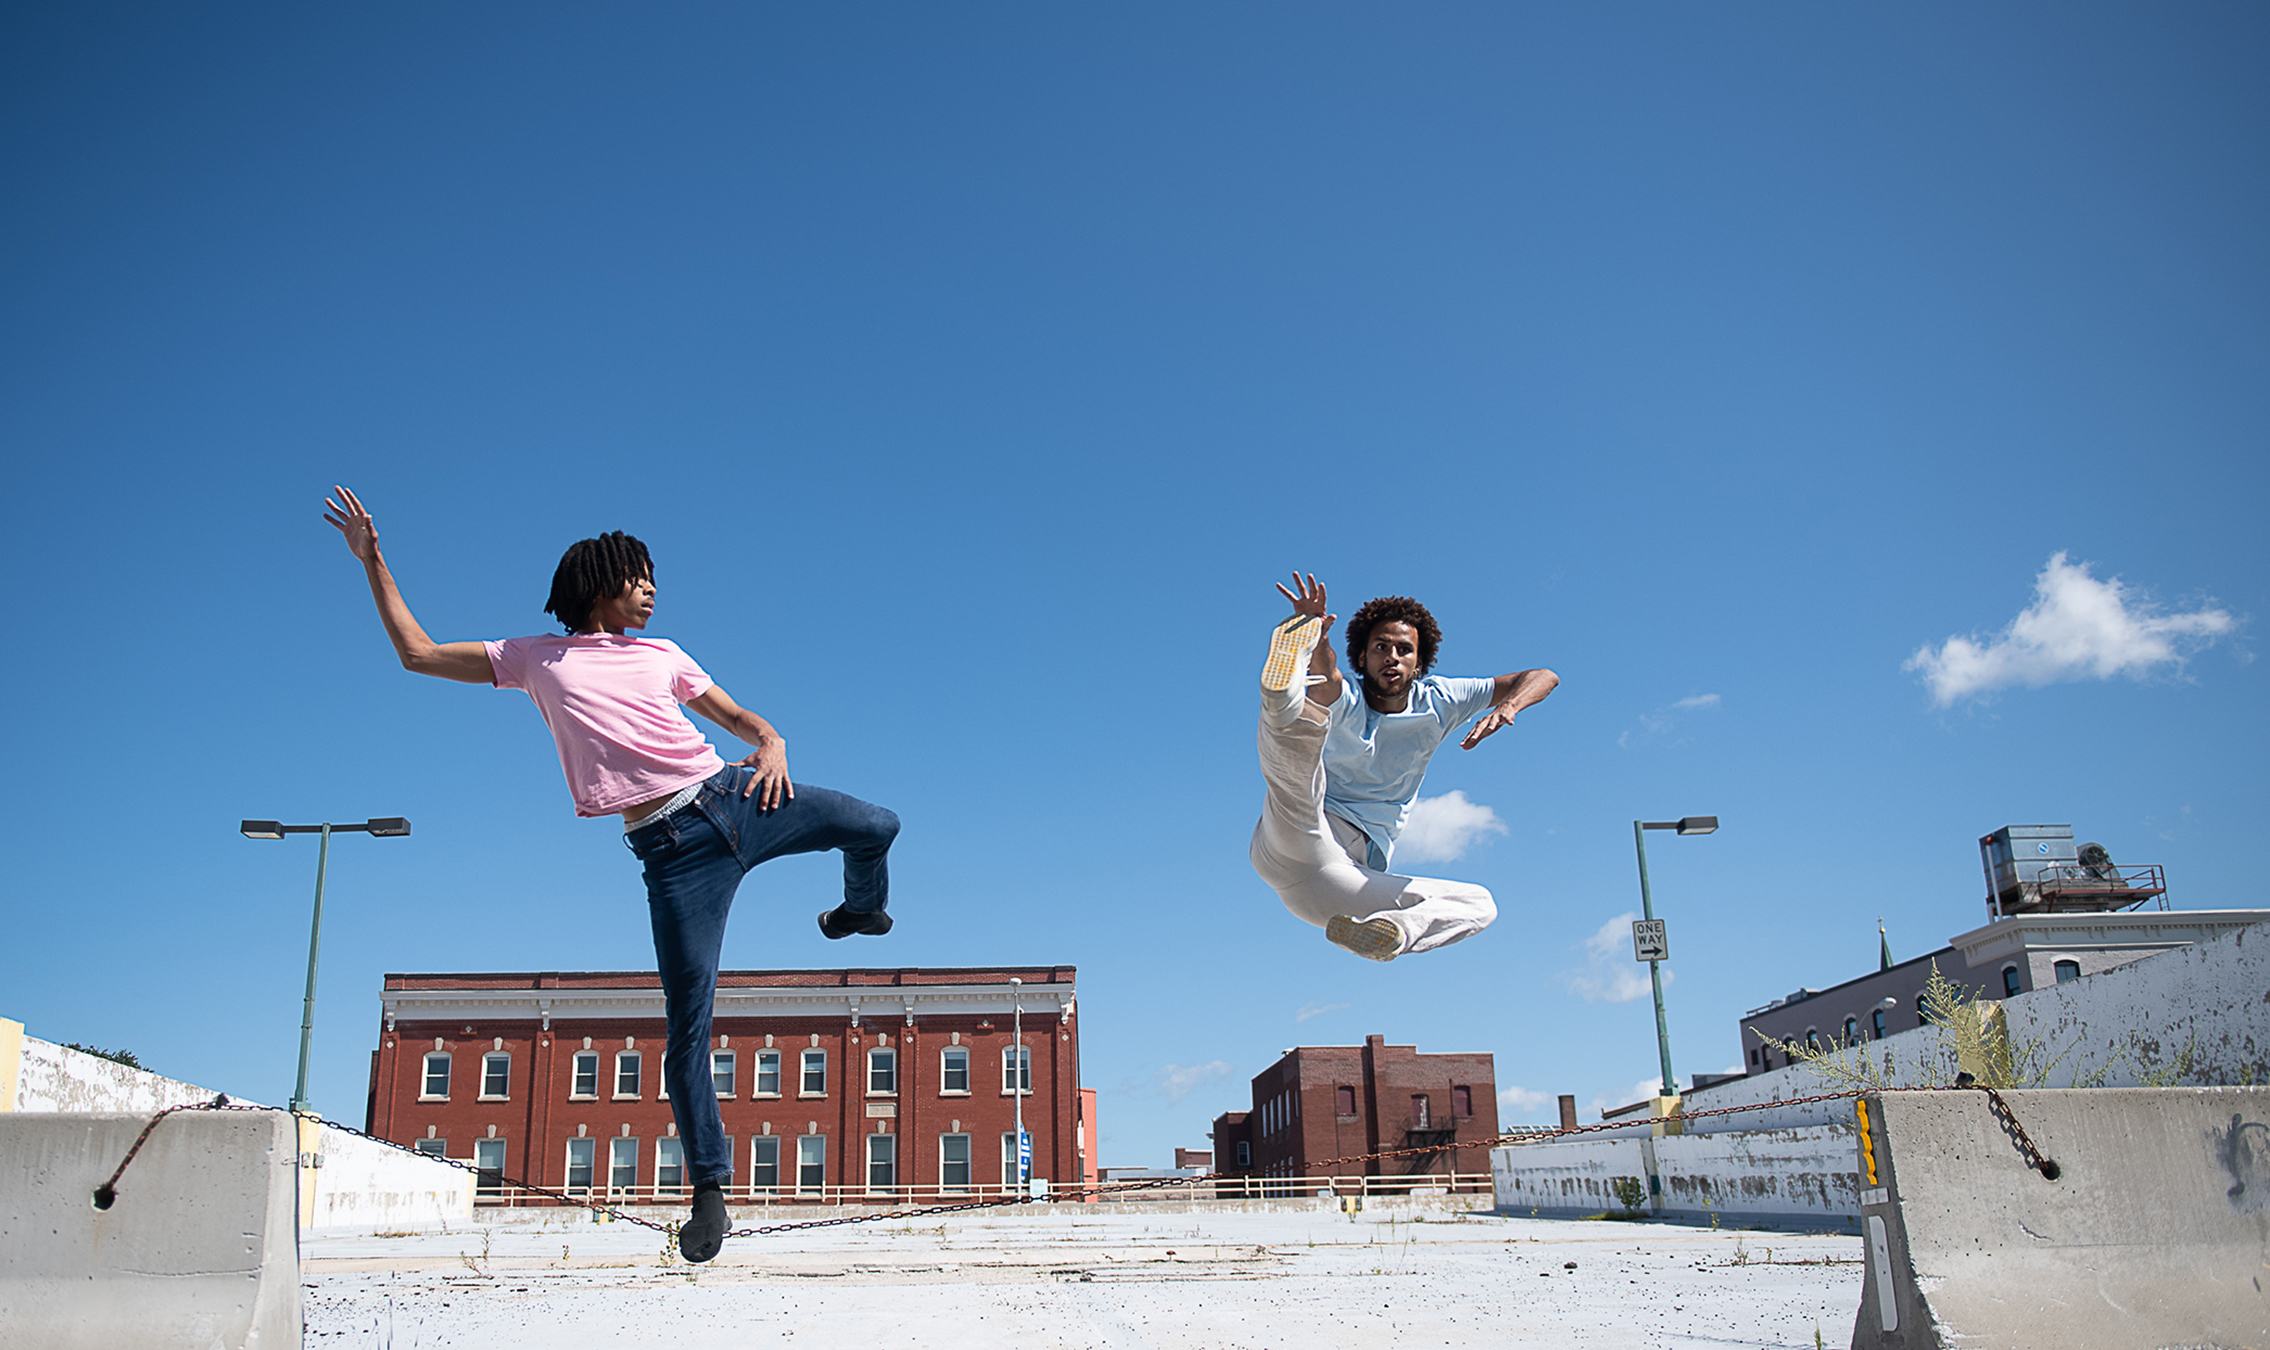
(1521, 1101)
(1441, 829)
(1610, 975)
(1659, 723)
(2077, 628)
(1317, 1010)
(1177, 1081)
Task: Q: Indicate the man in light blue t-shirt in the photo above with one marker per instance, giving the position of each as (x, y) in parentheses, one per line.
(1344, 760)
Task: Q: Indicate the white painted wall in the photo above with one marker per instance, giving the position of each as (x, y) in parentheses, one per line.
(1569, 1176)
(51, 1077)
(2132, 1027)
(1803, 1176)
(370, 1187)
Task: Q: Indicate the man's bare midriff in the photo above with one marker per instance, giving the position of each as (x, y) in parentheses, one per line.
(633, 814)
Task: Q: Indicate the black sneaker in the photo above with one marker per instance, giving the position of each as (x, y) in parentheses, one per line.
(839, 923)
(704, 1231)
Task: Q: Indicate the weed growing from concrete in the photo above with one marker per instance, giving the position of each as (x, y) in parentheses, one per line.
(479, 1265)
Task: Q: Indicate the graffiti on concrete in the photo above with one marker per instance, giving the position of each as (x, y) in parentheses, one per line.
(2244, 1152)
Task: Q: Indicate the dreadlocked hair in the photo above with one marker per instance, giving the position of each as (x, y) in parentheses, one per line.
(1393, 609)
(593, 570)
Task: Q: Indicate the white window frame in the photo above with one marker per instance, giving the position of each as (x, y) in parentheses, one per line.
(575, 1072)
(1023, 1054)
(819, 1144)
(757, 1146)
(629, 1168)
(479, 1147)
(426, 1077)
(2057, 970)
(432, 1148)
(968, 1181)
(668, 1144)
(757, 1083)
(1009, 1160)
(590, 1148)
(891, 1141)
(946, 1058)
(727, 1082)
(890, 1058)
(637, 1061)
(804, 1063)
(488, 1059)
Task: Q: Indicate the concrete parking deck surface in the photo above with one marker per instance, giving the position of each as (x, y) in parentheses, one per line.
(1069, 1279)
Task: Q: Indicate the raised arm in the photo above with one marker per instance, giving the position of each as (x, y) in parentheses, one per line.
(1509, 694)
(771, 757)
(465, 661)
(1307, 597)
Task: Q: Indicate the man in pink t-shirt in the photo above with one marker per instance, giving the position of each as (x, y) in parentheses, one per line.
(615, 705)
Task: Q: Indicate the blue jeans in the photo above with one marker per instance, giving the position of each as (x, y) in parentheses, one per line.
(695, 859)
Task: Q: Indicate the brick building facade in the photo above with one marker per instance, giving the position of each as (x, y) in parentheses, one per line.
(833, 1084)
(1333, 1101)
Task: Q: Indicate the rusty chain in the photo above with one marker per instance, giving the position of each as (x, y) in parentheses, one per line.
(106, 1194)
(2008, 1119)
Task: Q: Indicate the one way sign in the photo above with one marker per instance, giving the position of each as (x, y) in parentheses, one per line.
(1650, 941)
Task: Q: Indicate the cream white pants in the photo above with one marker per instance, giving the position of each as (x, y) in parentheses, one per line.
(1312, 859)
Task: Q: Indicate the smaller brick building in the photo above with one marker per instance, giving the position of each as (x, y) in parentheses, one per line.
(1320, 1102)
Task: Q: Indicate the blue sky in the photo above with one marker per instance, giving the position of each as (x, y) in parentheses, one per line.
(974, 370)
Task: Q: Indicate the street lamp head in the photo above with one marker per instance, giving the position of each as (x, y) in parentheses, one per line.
(262, 829)
(1698, 824)
(391, 827)
(1015, 982)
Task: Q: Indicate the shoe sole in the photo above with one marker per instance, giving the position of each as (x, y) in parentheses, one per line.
(1372, 939)
(1289, 648)
(869, 929)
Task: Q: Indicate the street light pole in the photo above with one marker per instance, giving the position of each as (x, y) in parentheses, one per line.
(314, 940)
(1684, 825)
(1654, 968)
(1017, 1035)
(383, 827)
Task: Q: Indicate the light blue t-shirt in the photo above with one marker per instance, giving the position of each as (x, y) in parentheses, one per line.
(1374, 762)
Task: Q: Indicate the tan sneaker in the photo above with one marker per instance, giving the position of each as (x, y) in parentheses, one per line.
(1289, 647)
(1372, 939)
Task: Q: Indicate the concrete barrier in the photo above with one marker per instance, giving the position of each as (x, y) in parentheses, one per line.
(197, 1249)
(2156, 1231)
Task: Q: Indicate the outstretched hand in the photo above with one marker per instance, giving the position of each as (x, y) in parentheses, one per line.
(1499, 719)
(1307, 597)
(352, 521)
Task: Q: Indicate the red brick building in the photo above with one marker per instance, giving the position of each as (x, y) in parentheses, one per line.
(833, 1084)
(1320, 1102)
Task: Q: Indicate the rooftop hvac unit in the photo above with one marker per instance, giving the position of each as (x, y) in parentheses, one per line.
(2037, 868)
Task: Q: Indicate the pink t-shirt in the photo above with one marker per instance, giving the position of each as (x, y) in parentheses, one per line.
(612, 704)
